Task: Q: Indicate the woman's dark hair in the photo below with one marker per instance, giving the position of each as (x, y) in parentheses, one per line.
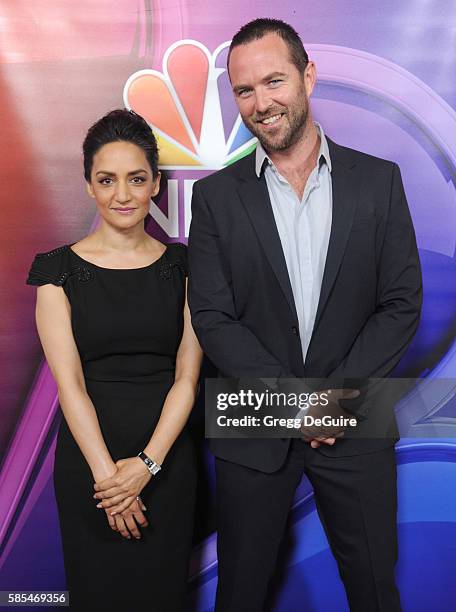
(120, 125)
(256, 29)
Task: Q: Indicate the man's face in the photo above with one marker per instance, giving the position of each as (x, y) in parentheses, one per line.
(272, 95)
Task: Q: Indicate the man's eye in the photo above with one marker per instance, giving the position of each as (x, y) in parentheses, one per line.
(243, 93)
(275, 81)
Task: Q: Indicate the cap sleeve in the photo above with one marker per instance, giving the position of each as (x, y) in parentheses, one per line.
(181, 257)
(50, 268)
(174, 261)
(178, 256)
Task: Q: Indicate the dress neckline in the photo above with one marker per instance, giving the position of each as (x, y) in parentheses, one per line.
(118, 269)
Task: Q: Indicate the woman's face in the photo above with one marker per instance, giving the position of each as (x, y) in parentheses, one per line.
(122, 184)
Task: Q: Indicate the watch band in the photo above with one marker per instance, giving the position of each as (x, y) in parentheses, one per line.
(151, 465)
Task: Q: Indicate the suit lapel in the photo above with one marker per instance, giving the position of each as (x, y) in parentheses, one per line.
(345, 194)
(255, 197)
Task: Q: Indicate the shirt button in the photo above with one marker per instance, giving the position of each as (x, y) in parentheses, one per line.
(295, 331)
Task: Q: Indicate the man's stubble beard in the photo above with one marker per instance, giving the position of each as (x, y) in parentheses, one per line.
(296, 115)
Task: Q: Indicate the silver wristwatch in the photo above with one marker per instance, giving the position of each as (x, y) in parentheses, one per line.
(151, 465)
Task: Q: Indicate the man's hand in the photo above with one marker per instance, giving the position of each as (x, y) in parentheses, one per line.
(119, 491)
(327, 434)
(315, 443)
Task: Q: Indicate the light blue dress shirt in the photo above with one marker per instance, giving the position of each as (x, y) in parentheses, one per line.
(304, 228)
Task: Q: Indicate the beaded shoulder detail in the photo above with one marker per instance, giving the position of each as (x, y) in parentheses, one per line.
(55, 267)
(53, 253)
(175, 259)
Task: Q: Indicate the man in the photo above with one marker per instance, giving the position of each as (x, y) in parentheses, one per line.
(303, 263)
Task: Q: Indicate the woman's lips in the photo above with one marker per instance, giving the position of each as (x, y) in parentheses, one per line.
(125, 211)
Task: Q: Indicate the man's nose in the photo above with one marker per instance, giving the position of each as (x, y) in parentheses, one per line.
(262, 101)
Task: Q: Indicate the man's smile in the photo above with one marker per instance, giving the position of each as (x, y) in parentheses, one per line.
(272, 119)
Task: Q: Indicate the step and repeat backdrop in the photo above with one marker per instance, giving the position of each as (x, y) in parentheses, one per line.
(385, 86)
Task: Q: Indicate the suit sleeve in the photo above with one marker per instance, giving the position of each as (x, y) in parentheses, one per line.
(229, 344)
(388, 331)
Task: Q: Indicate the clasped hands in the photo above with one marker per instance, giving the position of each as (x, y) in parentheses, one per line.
(327, 434)
(119, 494)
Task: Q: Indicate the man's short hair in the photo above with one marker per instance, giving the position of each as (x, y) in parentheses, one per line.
(256, 29)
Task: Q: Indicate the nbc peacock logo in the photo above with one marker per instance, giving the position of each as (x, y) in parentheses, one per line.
(190, 107)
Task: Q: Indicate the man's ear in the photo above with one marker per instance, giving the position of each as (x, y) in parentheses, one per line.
(310, 78)
(89, 190)
(156, 187)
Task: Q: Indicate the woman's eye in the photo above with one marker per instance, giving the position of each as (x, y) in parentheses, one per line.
(105, 181)
(138, 180)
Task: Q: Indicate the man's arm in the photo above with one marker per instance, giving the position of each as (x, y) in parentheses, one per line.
(231, 346)
(389, 330)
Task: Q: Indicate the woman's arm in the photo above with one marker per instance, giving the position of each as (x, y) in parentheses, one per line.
(132, 475)
(181, 397)
(53, 320)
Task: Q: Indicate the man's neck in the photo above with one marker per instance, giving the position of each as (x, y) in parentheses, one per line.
(301, 156)
(296, 163)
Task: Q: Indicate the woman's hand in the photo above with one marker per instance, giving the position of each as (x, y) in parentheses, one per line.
(120, 490)
(127, 522)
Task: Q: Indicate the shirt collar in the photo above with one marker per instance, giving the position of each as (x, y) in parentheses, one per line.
(323, 154)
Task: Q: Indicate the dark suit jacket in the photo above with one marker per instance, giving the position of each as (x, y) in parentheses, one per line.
(242, 304)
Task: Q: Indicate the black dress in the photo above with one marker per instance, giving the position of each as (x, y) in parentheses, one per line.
(127, 325)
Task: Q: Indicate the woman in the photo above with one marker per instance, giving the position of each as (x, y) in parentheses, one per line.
(114, 323)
